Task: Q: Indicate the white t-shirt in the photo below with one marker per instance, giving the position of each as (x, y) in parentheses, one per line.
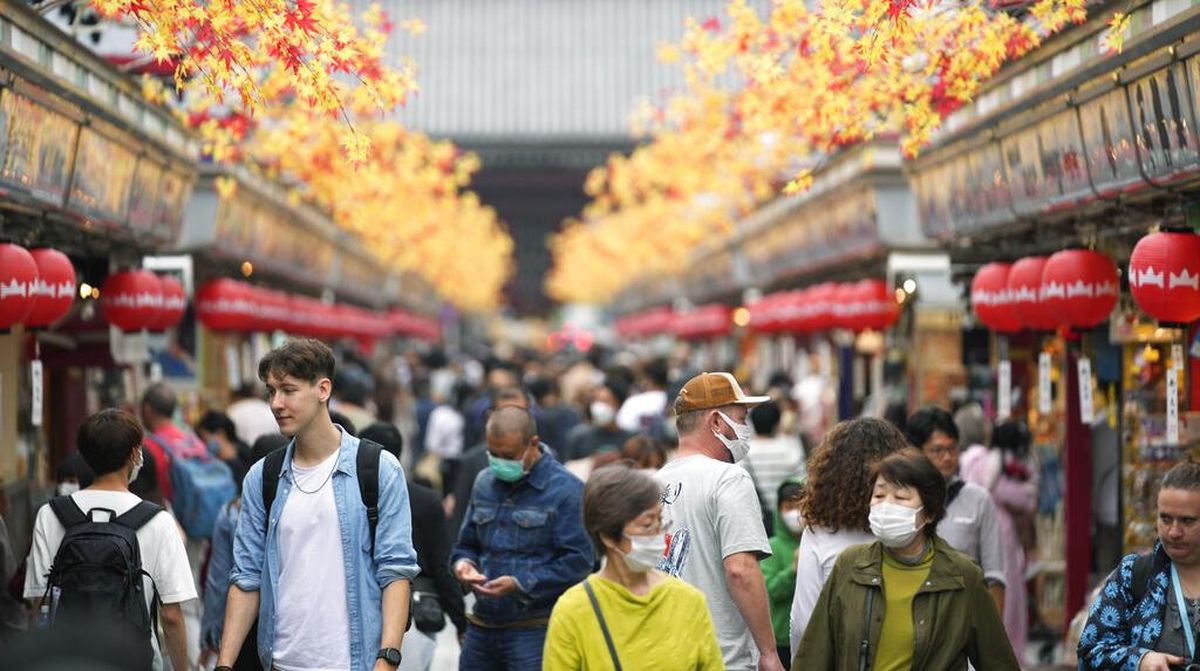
(252, 418)
(771, 461)
(650, 404)
(713, 512)
(444, 433)
(159, 542)
(312, 617)
(819, 550)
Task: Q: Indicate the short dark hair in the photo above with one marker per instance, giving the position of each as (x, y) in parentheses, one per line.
(911, 468)
(161, 399)
(920, 426)
(511, 419)
(352, 384)
(657, 372)
(614, 495)
(214, 421)
(1183, 476)
(107, 438)
(385, 434)
(765, 417)
(305, 359)
(619, 389)
(642, 449)
(790, 491)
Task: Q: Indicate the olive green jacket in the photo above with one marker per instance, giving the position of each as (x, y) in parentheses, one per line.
(954, 617)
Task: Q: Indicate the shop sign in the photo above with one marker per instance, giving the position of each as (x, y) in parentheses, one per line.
(143, 197)
(1004, 390)
(1164, 121)
(1045, 390)
(825, 231)
(37, 147)
(36, 388)
(103, 176)
(1112, 155)
(173, 191)
(1087, 409)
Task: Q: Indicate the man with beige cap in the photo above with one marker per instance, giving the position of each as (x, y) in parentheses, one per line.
(715, 524)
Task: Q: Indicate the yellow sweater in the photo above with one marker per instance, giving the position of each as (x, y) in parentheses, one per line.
(900, 585)
(669, 628)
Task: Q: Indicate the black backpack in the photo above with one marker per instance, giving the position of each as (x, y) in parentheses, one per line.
(97, 572)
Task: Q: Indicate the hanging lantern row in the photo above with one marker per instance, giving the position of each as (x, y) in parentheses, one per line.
(133, 300)
(229, 305)
(1078, 288)
(652, 322)
(865, 305)
(707, 321)
(37, 286)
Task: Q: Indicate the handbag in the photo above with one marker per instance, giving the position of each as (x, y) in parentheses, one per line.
(612, 649)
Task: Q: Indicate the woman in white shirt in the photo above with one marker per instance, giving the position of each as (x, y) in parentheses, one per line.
(836, 506)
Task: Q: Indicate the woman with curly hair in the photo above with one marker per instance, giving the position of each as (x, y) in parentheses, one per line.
(836, 506)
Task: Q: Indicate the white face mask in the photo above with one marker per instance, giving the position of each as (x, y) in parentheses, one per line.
(791, 519)
(137, 466)
(645, 552)
(738, 447)
(603, 413)
(67, 488)
(893, 524)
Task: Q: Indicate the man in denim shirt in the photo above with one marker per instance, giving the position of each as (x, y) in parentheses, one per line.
(324, 596)
(521, 546)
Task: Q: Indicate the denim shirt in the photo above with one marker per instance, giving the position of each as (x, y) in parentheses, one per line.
(216, 579)
(532, 530)
(256, 560)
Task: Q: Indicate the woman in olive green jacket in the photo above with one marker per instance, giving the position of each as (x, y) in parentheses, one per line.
(924, 604)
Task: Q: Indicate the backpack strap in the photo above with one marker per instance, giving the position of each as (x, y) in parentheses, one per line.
(272, 463)
(954, 490)
(67, 511)
(136, 517)
(369, 453)
(1144, 568)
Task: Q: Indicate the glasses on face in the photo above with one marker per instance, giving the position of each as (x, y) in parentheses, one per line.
(939, 451)
(653, 528)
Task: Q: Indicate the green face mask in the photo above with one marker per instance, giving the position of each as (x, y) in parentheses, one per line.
(508, 470)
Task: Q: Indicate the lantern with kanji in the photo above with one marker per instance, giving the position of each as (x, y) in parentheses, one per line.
(1079, 288)
(992, 300)
(54, 290)
(1024, 285)
(18, 273)
(1164, 276)
(225, 305)
(878, 305)
(131, 299)
(173, 307)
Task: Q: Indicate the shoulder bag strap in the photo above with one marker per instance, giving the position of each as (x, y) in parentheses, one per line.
(612, 649)
(864, 648)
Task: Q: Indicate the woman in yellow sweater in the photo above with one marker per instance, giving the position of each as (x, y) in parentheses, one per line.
(628, 615)
(908, 600)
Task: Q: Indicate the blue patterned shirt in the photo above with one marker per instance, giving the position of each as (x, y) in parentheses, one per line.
(1120, 631)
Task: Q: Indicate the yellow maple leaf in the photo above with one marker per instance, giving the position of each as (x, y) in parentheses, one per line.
(800, 183)
(226, 187)
(414, 27)
(1118, 27)
(356, 146)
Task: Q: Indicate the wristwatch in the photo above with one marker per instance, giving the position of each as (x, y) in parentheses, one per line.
(389, 655)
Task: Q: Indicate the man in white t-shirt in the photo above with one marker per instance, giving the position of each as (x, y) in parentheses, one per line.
(716, 530)
(110, 441)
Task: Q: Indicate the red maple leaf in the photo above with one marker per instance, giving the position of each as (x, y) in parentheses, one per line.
(712, 24)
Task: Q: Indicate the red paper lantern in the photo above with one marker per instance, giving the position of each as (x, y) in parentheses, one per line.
(54, 290)
(174, 304)
(1164, 276)
(819, 307)
(1079, 288)
(992, 300)
(18, 273)
(131, 299)
(879, 308)
(1024, 284)
(226, 305)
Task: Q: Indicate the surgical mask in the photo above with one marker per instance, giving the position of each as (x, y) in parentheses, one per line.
(603, 413)
(137, 466)
(67, 488)
(645, 552)
(738, 447)
(791, 520)
(893, 524)
(508, 470)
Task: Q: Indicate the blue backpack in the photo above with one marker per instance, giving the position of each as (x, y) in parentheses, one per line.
(200, 484)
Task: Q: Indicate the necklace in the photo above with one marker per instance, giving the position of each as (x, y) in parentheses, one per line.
(296, 481)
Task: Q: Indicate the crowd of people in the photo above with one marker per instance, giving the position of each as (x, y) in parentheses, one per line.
(595, 513)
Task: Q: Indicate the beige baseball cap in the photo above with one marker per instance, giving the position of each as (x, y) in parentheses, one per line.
(713, 390)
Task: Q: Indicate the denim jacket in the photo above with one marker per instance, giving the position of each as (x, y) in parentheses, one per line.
(1119, 631)
(216, 579)
(256, 554)
(532, 530)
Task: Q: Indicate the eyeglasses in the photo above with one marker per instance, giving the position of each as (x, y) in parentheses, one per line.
(939, 451)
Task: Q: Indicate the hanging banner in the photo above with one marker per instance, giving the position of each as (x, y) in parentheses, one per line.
(1004, 390)
(1087, 408)
(35, 385)
(1173, 394)
(1045, 391)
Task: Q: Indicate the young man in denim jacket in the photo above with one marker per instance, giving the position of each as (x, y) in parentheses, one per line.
(521, 546)
(325, 596)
